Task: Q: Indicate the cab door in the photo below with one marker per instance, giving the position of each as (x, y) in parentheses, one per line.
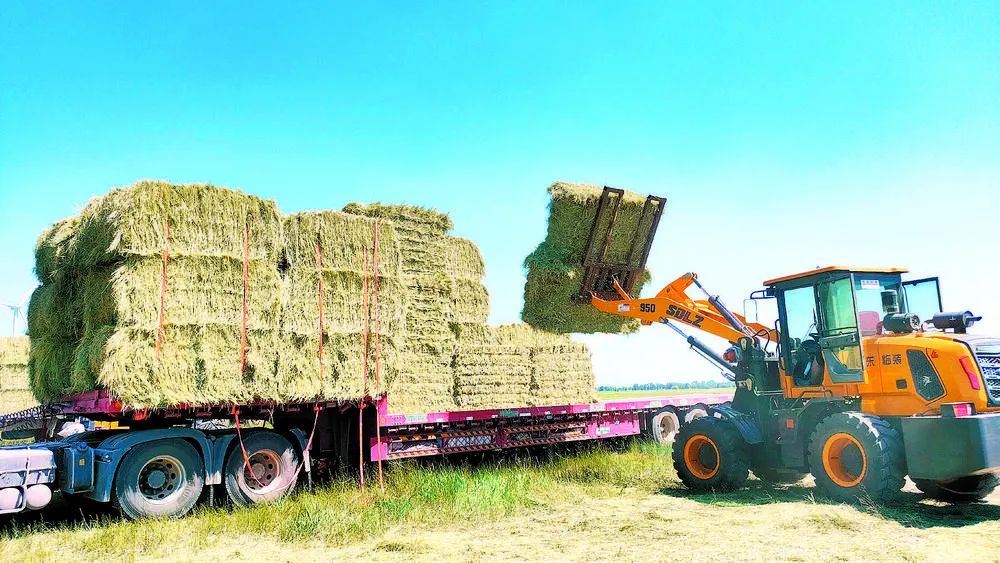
(839, 336)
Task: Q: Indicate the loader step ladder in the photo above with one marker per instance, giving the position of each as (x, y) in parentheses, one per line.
(600, 272)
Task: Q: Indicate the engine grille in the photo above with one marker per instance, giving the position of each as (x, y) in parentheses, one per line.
(988, 358)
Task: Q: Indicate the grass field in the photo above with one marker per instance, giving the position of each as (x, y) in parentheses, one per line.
(583, 503)
(609, 395)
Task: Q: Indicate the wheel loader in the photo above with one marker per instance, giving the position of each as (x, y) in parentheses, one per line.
(862, 380)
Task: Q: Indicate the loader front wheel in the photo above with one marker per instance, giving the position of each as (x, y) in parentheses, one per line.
(854, 456)
(964, 489)
(710, 455)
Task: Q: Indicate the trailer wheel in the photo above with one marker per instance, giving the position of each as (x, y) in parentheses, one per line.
(709, 454)
(664, 425)
(695, 412)
(163, 478)
(854, 456)
(272, 472)
(964, 489)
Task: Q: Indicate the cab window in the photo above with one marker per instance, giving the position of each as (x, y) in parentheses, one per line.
(802, 353)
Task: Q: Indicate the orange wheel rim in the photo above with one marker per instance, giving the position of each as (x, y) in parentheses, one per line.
(844, 460)
(701, 456)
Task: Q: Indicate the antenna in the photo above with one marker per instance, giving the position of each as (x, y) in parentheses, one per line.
(18, 309)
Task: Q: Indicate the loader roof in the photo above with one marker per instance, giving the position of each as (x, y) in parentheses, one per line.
(892, 270)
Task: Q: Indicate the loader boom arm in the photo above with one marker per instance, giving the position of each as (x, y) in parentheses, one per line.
(673, 304)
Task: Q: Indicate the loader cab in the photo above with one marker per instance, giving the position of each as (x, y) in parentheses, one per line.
(826, 316)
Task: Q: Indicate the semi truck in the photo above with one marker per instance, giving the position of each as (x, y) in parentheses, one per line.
(162, 462)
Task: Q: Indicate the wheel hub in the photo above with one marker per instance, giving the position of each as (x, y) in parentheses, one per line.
(264, 471)
(161, 478)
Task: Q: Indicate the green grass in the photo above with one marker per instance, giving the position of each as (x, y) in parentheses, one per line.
(607, 501)
(609, 395)
(416, 495)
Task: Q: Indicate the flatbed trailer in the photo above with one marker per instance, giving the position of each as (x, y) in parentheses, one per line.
(160, 462)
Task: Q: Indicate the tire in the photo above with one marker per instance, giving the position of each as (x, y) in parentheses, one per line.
(710, 455)
(664, 425)
(695, 412)
(160, 479)
(274, 461)
(854, 456)
(964, 489)
(778, 476)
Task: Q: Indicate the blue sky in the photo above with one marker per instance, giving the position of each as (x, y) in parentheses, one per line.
(785, 135)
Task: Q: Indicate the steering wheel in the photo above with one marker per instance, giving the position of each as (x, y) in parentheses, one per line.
(808, 368)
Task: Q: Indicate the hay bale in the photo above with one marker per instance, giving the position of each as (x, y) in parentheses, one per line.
(561, 371)
(197, 364)
(204, 220)
(15, 392)
(15, 401)
(470, 300)
(344, 241)
(492, 369)
(555, 267)
(420, 231)
(199, 291)
(14, 350)
(425, 383)
(52, 248)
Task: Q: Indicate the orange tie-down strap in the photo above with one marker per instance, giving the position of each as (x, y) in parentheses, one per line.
(163, 287)
(246, 290)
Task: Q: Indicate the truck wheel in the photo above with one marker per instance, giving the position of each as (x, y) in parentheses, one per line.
(159, 479)
(778, 476)
(696, 411)
(853, 456)
(664, 425)
(964, 489)
(710, 455)
(272, 472)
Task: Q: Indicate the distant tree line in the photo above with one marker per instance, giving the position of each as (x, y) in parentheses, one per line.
(707, 384)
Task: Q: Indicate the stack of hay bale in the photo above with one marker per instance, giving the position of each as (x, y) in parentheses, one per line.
(425, 380)
(332, 253)
(555, 268)
(54, 317)
(147, 293)
(161, 271)
(15, 393)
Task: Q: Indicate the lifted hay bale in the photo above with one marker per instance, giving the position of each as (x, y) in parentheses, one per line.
(555, 268)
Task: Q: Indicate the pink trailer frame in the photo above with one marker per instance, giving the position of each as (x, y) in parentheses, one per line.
(451, 432)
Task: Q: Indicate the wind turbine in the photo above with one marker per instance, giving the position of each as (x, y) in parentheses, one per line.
(18, 310)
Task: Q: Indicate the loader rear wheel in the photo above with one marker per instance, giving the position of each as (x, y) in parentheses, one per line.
(710, 455)
(855, 456)
(270, 473)
(964, 489)
(159, 479)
